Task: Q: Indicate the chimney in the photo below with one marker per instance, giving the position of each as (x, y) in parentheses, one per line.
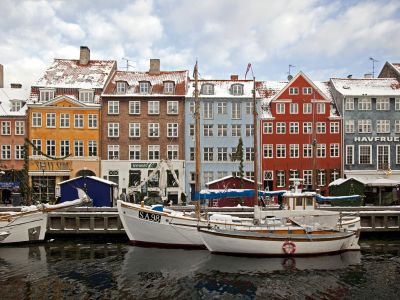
(1, 76)
(154, 65)
(16, 85)
(84, 56)
(368, 75)
(234, 77)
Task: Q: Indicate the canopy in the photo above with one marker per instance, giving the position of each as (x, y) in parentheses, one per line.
(233, 193)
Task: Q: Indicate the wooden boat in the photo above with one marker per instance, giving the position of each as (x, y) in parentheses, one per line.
(30, 223)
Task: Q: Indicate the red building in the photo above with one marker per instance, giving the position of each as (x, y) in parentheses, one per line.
(300, 134)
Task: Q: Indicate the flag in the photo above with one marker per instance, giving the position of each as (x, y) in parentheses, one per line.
(247, 70)
(195, 70)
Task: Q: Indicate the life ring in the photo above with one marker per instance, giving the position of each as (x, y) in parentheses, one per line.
(289, 247)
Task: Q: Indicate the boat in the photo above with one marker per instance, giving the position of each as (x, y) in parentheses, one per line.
(30, 224)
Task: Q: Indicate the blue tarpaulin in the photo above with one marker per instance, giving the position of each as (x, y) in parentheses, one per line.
(232, 193)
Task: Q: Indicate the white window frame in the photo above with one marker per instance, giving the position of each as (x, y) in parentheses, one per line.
(79, 120)
(237, 89)
(236, 110)
(349, 155)
(321, 151)
(307, 108)
(307, 151)
(364, 104)
(222, 130)
(5, 127)
(92, 121)
(294, 128)
(280, 151)
(222, 107)
(168, 87)
(6, 152)
(153, 108)
(19, 127)
(172, 107)
(51, 120)
(334, 150)
(294, 151)
(349, 104)
(65, 120)
(64, 148)
(113, 152)
(113, 130)
(364, 126)
(134, 152)
(321, 107)
(208, 110)
(172, 130)
(236, 130)
(334, 128)
(19, 152)
(307, 128)
(134, 130)
(382, 126)
(134, 107)
(268, 128)
(268, 150)
(86, 96)
(46, 94)
(370, 154)
(153, 130)
(280, 108)
(382, 104)
(294, 108)
(293, 91)
(144, 87)
(92, 148)
(280, 128)
(307, 90)
(173, 152)
(121, 87)
(79, 148)
(349, 126)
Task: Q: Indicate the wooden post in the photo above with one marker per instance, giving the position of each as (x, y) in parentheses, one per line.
(197, 139)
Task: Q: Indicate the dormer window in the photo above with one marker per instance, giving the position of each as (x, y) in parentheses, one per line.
(16, 105)
(169, 87)
(237, 89)
(86, 96)
(144, 87)
(121, 87)
(207, 89)
(47, 94)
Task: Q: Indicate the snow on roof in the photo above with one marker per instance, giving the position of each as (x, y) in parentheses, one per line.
(268, 89)
(227, 177)
(325, 88)
(222, 88)
(367, 86)
(156, 79)
(91, 177)
(69, 73)
(10, 95)
(396, 66)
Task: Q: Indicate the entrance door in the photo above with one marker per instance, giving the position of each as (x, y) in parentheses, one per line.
(383, 157)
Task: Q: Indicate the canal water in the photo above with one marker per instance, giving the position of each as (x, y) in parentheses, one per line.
(77, 269)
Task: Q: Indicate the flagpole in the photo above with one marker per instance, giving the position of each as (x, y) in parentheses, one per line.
(255, 200)
(197, 141)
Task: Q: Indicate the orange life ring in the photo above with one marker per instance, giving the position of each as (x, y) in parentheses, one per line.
(289, 247)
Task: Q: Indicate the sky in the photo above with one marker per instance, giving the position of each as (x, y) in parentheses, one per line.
(323, 38)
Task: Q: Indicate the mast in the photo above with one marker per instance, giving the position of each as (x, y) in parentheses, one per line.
(197, 140)
(255, 199)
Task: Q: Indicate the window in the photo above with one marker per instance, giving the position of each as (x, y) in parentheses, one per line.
(334, 150)
(221, 108)
(294, 150)
(249, 108)
(207, 89)
(307, 176)
(294, 173)
(397, 126)
(307, 90)
(113, 151)
(172, 130)
(86, 96)
(134, 130)
(294, 108)
(154, 130)
(47, 94)
(280, 128)
(208, 176)
(19, 152)
(172, 151)
(222, 130)
(92, 118)
(172, 107)
(113, 107)
(280, 108)
(249, 154)
(134, 152)
(294, 127)
(113, 130)
(249, 129)
(280, 151)
(169, 87)
(236, 110)
(92, 148)
(293, 91)
(144, 87)
(121, 87)
(50, 120)
(268, 128)
(208, 110)
(6, 128)
(364, 153)
(16, 105)
(78, 120)
(383, 157)
(191, 130)
(6, 152)
(236, 130)
(134, 107)
(37, 147)
(191, 107)
(364, 104)
(321, 108)
(280, 178)
(78, 148)
(222, 174)
(64, 147)
(364, 126)
(191, 154)
(382, 126)
(64, 120)
(154, 107)
(397, 104)
(349, 126)
(208, 154)
(397, 154)
(321, 150)
(321, 127)
(208, 130)
(51, 147)
(349, 104)
(334, 127)
(237, 89)
(307, 108)
(222, 154)
(382, 104)
(307, 151)
(268, 150)
(349, 154)
(335, 174)
(321, 177)
(307, 127)
(19, 127)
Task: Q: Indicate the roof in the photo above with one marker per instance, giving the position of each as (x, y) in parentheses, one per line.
(396, 66)
(7, 96)
(91, 177)
(367, 86)
(222, 88)
(69, 73)
(229, 177)
(156, 80)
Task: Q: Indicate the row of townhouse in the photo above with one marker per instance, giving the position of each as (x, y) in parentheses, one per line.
(85, 117)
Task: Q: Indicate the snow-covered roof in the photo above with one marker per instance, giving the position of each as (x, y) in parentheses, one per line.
(367, 86)
(91, 177)
(396, 66)
(325, 88)
(156, 79)
(228, 177)
(222, 88)
(69, 73)
(268, 90)
(10, 95)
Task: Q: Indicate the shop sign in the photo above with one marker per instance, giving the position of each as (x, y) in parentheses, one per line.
(143, 165)
(377, 139)
(52, 165)
(9, 185)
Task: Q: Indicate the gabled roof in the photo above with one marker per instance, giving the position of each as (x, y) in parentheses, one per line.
(68, 98)
(156, 80)
(7, 96)
(229, 177)
(367, 86)
(222, 88)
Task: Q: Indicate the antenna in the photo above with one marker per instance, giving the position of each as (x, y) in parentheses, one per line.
(289, 75)
(127, 63)
(373, 66)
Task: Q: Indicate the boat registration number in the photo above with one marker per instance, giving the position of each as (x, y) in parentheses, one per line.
(149, 216)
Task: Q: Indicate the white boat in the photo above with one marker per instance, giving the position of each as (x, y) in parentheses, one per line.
(30, 223)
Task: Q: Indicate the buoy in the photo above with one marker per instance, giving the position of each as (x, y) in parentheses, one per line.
(289, 247)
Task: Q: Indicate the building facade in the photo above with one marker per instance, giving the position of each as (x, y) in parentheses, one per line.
(143, 132)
